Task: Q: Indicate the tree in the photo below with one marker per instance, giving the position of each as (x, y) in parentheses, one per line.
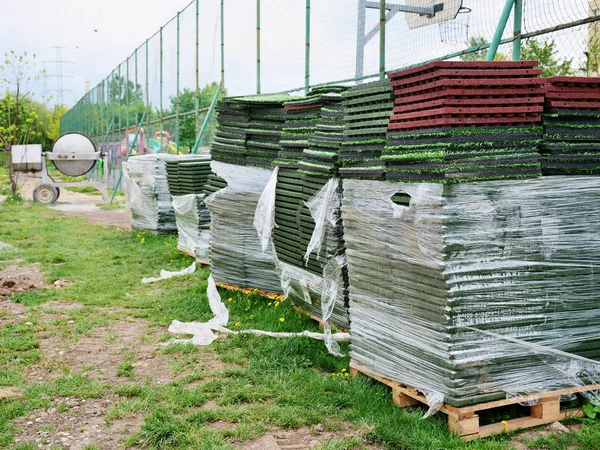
(17, 78)
(481, 54)
(53, 132)
(532, 50)
(549, 62)
(187, 104)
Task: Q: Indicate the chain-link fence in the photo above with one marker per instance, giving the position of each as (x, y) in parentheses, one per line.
(161, 94)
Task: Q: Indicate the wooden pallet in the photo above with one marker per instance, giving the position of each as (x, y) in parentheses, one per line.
(233, 287)
(464, 421)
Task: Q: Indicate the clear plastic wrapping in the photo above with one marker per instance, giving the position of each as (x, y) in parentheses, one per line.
(476, 291)
(236, 255)
(148, 199)
(193, 222)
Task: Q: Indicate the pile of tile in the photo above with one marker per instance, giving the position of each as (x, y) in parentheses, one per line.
(368, 108)
(457, 289)
(459, 121)
(148, 198)
(571, 126)
(188, 174)
(235, 253)
(229, 145)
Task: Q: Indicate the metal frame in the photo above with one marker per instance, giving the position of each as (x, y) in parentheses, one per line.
(386, 12)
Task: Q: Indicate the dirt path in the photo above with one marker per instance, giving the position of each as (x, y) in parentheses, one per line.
(78, 204)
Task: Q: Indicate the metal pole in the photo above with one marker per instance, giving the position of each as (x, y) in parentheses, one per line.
(126, 158)
(360, 38)
(127, 94)
(206, 120)
(223, 43)
(177, 86)
(146, 113)
(307, 50)
(382, 20)
(197, 66)
(518, 21)
(136, 84)
(120, 93)
(258, 46)
(500, 30)
(161, 78)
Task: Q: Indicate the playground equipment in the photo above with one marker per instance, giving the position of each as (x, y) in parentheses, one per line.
(162, 143)
(73, 154)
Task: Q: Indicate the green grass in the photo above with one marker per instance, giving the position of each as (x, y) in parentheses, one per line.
(263, 383)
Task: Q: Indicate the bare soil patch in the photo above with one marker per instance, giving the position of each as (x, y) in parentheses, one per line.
(74, 424)
(301, 438)
(13, 280)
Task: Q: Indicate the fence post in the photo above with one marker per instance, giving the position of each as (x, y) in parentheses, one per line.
(258, 46)
(307, 50)
(161, 78)
(177, 86)
(223, 43)
(127, 94)
(120, 99)
(382, 20)
(136, 84)
(197, 66)
(518, 21)
(147, 106)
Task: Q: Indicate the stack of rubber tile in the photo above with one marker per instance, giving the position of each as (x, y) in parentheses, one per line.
(571, 126)
(229, 144)
(235, 253)
(459, 121)
(368, 108)
(467, 290)
(321, 157)
(213, 184)
(266, 117)
(188, 174)
(148, 196)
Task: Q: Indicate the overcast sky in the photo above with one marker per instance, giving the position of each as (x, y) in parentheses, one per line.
(97, 35)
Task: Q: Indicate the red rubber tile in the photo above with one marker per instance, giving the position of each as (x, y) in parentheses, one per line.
(471, 93)
(505, 83)
(572, 105)
(474, 74)
(468, 111)
(519, 101)
(303, 107)
(474, 65)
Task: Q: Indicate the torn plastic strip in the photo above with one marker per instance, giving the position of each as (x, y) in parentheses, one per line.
(203, 331)
(264, 217)
(165, 275)
(322, 207)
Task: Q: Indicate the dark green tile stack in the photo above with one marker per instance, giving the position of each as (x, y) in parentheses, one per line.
(266, 118)
(571, 126)
(188, 174)
(213, 184)
(368, 108)
(321, 157)
(451, 286)
(463, 154)
(229, 145)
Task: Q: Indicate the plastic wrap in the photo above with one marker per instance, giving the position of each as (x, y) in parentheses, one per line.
(476, 291)
(147, 194)
(165, 274)
(264, 216)
(236, 255)
(193, 219)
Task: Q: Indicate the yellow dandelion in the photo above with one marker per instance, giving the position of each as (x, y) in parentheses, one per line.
(276, 303)
(282, 319)
(269, 304)
(346, 374)
(142, 240)
(343, 370)
(237, 324)
(229, 299)
(504, 422)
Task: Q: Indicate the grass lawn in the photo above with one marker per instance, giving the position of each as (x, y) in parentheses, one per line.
(86, 355)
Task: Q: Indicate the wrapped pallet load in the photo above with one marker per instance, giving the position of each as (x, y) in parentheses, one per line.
(148, 198)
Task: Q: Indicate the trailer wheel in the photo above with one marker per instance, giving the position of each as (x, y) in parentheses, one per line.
(46, 193)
